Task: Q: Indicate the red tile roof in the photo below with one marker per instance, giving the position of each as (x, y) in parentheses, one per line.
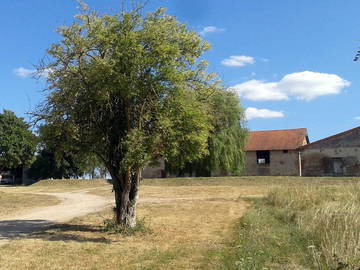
(286, 139)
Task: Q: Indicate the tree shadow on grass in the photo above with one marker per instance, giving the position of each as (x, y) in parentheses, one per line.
(49, 231)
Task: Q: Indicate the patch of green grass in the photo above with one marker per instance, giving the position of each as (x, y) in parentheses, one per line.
(263, 241)
(298, 227)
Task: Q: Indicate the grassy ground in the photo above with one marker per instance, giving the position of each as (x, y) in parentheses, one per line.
(12, 203)
(184, 230)
(302, 227)
(195, 224)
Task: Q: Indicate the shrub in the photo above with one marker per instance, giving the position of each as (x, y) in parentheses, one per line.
(110, 226)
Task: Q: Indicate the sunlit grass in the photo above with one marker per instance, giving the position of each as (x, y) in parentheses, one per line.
(195, 224)
(16, 203)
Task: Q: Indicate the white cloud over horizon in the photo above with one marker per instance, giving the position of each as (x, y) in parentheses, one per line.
(306, 85)
(251, 113)
(238, 61)
(211, 29)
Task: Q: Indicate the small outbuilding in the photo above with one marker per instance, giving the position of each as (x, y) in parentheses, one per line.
(275, 152)
(337, 155)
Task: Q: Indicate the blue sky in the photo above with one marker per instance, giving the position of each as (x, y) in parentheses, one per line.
(289, 61)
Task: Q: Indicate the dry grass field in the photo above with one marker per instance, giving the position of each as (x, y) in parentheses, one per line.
(12, 203)
(193, 223)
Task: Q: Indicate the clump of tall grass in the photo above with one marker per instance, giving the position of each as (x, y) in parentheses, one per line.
(141, 227)
(330, 215)
(336, 228)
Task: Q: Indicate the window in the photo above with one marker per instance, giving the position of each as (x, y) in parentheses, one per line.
(263, 157)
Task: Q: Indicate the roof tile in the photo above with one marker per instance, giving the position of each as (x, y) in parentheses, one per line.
(287, 139)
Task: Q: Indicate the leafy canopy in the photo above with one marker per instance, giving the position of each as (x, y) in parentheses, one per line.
(59, 158)
(130, 88)
(226, 141)
(17, 142)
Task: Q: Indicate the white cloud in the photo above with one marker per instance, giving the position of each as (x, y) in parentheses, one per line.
(251, 113)
(357, 118)
(259, 91)
(211, 29)
(306, 85)
(238, 61)
(23, 72)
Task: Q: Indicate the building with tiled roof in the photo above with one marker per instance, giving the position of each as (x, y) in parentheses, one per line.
(275, 152)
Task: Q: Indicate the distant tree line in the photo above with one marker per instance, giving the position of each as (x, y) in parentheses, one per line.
(47, 154)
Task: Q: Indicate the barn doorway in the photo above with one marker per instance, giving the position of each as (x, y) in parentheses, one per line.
(338, 166)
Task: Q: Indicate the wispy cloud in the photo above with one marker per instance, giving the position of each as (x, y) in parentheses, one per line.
(211, 29)
(357, 118)
(306, 85)
(23, 72)
(252, 113)
(238, 61)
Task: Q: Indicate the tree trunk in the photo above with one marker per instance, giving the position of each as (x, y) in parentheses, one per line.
(126, 188)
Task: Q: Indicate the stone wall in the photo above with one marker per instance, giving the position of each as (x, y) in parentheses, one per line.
(338, 155)
(339, 161)
(281, 163)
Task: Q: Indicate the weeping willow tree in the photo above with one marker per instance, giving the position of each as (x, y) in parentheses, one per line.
(226, 142)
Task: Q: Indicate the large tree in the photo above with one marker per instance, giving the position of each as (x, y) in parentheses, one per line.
(51, 164)
(226, 142)
(17, 142)
(130, 89)
(60, 157)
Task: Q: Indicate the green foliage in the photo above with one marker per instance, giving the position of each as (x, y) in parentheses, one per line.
(226, 142)
(49, 164)
(58, 156)
(128, 88)
(17, 142)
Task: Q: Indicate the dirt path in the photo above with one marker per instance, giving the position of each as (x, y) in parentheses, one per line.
(73, 204)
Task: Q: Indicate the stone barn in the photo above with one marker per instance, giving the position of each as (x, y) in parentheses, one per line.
(275, 152)
(337, 155)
